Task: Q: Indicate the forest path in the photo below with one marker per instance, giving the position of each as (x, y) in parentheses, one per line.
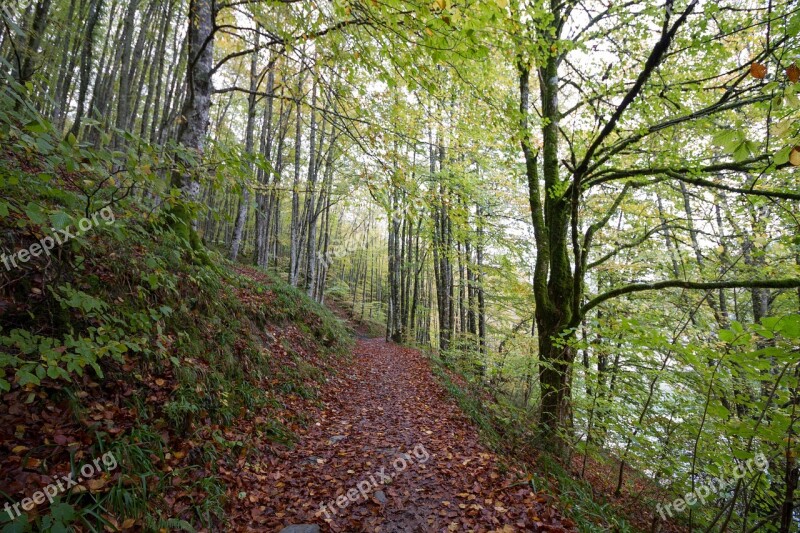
(389, 404)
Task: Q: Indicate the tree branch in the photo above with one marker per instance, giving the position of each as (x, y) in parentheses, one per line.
(712, 109)
(790, 283)
(624, 246)
(275, 40)
(686, 175)
(656, 55)
(752, 192)
(613, 174)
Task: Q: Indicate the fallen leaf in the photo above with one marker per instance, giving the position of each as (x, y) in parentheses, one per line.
(96, 485)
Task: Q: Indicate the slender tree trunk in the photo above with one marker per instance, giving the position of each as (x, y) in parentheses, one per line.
(397, 329)
(273, 205)
(95, 6)
(176, 64)
(159, 70)
(262, 195)
(294, 243)
(63, 81)
(479, 280)
(105, 72)
(241, 217)
(311, 218)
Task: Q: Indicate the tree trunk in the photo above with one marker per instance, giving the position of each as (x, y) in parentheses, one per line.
(479, 280)
(95, 7)
(294, 243)
(552, 279)
(35, 33)
(262, 195)
(241, 217)
(311, 218)
(63, 80)
(126, 68)
(195, 112)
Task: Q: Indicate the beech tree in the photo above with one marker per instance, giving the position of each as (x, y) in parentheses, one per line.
(563, 171)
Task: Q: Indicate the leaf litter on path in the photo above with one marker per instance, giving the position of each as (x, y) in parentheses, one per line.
(383, 413)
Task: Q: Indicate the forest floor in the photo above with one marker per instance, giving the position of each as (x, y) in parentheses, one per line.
(392, 438)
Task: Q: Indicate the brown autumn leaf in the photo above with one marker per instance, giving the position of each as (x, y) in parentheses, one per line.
(95, 485)
(758, 70)
(794, 156)
(793, 73)
(32, 463)
(443, 488)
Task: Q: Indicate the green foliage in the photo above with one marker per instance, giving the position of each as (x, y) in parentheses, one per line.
(135, 295)
(339, 290)
(589, 511)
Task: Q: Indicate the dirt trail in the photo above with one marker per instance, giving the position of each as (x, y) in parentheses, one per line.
(389, 405)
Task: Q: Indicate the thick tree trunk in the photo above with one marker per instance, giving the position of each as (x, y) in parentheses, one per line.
(195, 113)
(34, 33)
(552, 279)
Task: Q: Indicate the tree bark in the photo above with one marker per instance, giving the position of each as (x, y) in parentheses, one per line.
(244, 205)
(194, 118)
(95, 7)
(35, 34)
(294, 243)
(311, 218)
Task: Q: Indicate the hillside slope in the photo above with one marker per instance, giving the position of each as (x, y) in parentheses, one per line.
(121, 351)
